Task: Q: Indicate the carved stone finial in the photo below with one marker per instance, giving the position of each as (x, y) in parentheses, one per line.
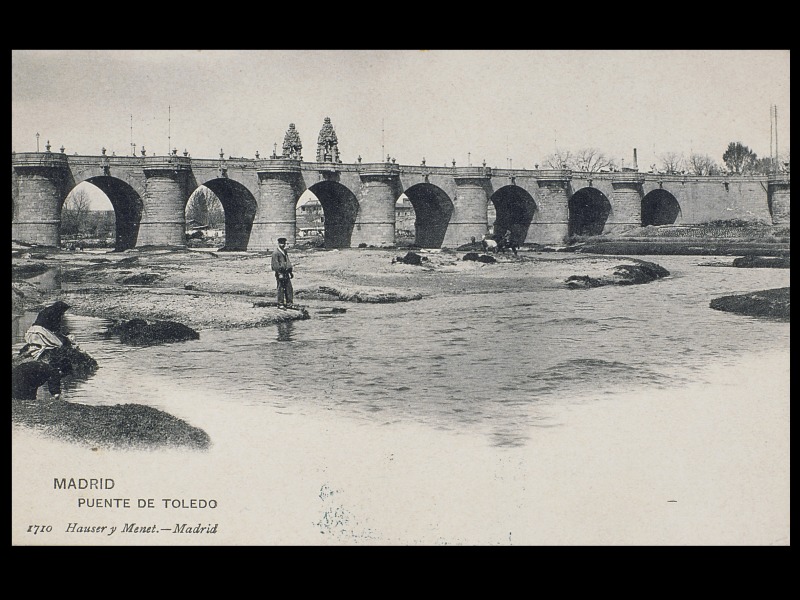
(185, 152)
(174, 152)
(103, 150)
(359, 158)
(62, 148)
(144, 152)
(47, 146)
(292, 146)
(327, 143)
(454, 162)
(221, 154)
(257, 154)
(423, 161)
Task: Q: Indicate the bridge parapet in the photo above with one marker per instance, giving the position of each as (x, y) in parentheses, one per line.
(627, 178)
(117, 161)
(472, 172)
(39, 159)
(778, 179)
(548, 177)
(379, 169)
(171, 163)
(553, 174)
(278, 166)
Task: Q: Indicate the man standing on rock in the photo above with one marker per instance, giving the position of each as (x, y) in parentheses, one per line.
(282, 267)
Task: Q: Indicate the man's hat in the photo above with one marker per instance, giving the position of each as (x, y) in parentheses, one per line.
(281, 240)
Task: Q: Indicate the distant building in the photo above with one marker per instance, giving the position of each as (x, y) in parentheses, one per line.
(404, 216)
(310, 218)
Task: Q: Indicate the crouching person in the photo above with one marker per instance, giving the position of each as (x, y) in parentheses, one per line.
(45, 333)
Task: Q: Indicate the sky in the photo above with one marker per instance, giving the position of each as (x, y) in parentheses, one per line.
(507, 107)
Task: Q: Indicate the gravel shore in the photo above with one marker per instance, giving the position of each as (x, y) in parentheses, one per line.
(226, 290)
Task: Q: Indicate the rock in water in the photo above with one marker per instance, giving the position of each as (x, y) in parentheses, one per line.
(80, 362)
(411, 258)
(69, 359)
(757, 262)
(773, 303)
(639, 272)
(481, 258)
(139, 332)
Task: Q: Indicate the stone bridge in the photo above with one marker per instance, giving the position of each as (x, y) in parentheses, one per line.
(259, 196)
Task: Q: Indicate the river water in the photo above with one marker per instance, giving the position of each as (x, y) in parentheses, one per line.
(614, 415)
(490, 364)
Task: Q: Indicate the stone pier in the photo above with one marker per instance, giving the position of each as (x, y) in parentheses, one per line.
(779, 198)
(41, 183)
(166, 193)
(378, 192)
(473, 190)
(626, 202)
(280, 186)
(551, 222)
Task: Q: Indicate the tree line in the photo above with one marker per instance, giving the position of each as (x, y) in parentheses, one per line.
(737, 159)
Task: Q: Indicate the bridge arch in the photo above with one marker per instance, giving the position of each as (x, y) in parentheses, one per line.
(239, 206)
(514, 210)
(588, 212)
(340, 209)
(432, 209)
(127, 205)
(659, 207)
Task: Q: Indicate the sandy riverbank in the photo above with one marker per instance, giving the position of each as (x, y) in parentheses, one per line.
(221, 289)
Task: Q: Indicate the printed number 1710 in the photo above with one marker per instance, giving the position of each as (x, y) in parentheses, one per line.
(34, 529)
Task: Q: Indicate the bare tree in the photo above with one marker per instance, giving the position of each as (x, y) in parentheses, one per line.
(672, 162)
(702, 164)
(216, 214)
(204, 207)
(75, 212)
(592, 160)
(560, 159)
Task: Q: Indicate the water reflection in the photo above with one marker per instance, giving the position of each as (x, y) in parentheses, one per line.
(285, 330)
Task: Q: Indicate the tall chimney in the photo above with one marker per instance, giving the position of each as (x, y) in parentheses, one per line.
(635, 162)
